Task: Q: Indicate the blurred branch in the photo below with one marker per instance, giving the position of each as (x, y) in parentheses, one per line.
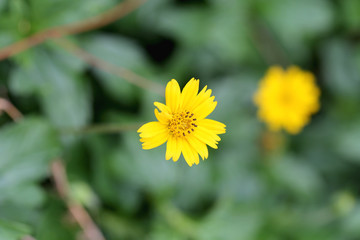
(91, 231)
(126, 74)
(10, 109)
(105, 128)
(120, 10)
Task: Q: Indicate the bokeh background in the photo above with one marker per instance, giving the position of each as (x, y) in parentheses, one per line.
(257, 186)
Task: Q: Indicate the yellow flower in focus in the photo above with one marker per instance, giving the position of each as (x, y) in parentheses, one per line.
(287, 98)
(182, 123)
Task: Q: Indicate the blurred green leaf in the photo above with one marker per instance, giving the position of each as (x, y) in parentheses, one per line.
(341, 74)
(350, 14)
(230, 221)
(53, 224)
(195, 20)
(222, 37)
(12, 230)
(147, 169)
(26, 149)
(297, 176)
(350, 225)
(46, 14)
(2, 4)
(62, 92)
(296, 22)
(346, 143)
(121, 52)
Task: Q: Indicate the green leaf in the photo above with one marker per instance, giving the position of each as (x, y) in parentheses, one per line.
(26, 149)
(340, 70)
(350, 14)
(350, 225)
(118, 51)
(229, 32)
(12, 230)
(47, 14)
(230, 221)
(52, 224)
(195, 19)
(346, 143)
(295, 22)
(297, 176)
(2, 4)
(146, 168)
(61, 91)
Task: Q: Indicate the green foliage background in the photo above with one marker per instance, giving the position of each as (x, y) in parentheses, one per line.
(256, 186)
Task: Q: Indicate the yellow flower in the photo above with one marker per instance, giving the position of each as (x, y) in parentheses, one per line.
(287, 98)
(182, 123)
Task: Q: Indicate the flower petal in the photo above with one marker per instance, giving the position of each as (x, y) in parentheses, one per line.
(213, 126)
(203, 95)
(206, 137)
(177, 151)
(161, 117)
(170, 147)
(190, 154)
(163, 108)
(189, 93)
(155, 141)
(205, 108)
(151, 129)
(200, 146)
(172, 95)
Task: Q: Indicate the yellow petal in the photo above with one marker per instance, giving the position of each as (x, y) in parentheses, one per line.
(151, 129)
(190, 155)
(161, 117)
(177, 149)
(189, 93)
(205, 137)
(163, 108)
(200, 98)
(198, 145)
(204, 109)
(212, 125)
(172, 95)
(170, 147)
(154, 141)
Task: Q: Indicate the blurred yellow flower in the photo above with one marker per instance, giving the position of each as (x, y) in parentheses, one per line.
(287, 98)
(182, 123)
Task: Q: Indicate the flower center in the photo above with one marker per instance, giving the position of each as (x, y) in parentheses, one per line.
(182, 123)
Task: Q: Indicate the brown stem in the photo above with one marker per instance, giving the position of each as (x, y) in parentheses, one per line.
(91, 231)
(126, 74)
(10, 109)
(120, 10)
